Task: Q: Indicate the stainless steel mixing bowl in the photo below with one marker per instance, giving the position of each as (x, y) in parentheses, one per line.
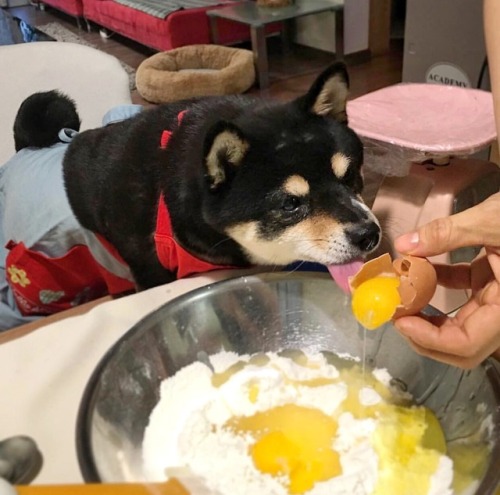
(266, 312)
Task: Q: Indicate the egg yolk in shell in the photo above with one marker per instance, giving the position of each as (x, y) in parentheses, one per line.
(375, 301)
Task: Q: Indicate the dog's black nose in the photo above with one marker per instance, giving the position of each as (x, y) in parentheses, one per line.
(366, 236)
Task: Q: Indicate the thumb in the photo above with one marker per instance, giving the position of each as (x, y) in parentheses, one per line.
(476, 226)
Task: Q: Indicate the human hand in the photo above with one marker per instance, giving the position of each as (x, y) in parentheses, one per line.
(473, 334)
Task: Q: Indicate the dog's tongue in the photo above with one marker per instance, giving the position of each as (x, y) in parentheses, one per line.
(341, 273)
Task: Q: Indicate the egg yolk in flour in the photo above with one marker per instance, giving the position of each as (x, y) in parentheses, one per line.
(295, 443)
(375, 301)
(302, 454)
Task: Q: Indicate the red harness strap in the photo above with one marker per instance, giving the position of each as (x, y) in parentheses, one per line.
(170, 253)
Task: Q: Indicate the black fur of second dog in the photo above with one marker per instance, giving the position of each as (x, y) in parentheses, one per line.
(246, 181)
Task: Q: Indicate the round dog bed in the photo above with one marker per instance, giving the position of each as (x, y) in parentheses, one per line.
(195, 70)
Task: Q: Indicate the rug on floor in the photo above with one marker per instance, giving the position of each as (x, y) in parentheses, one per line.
(60, 33)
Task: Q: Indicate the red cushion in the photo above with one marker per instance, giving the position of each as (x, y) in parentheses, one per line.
(71, 7)
(180, 28)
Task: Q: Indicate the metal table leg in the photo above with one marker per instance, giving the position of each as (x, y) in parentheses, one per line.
(287, 36)
(260, 54)
(214, 31)
(339, 34)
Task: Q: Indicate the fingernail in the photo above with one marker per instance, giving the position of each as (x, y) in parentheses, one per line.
(407, 242)
(414, 238)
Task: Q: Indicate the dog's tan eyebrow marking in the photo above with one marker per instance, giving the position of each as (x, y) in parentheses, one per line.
(340, 164)
(296, 185)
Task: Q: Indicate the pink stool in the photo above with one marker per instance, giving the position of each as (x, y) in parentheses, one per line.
(419, 138)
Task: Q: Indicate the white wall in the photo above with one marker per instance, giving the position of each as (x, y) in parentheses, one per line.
(318, 31)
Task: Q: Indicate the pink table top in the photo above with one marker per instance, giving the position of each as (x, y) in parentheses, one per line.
(428, 117)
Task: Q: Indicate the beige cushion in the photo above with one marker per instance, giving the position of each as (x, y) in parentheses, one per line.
(195, 70)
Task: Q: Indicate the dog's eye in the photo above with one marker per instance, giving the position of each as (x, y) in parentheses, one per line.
(354, 180)
(291, 203)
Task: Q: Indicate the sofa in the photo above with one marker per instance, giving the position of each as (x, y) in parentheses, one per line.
(71, 7)
(188, 26)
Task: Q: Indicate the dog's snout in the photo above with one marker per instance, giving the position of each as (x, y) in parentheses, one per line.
(365, 237)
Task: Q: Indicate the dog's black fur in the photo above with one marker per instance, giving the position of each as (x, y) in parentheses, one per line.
(247, 181)
(40, 118)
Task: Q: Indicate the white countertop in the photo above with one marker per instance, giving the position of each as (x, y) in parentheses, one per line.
(43, 373)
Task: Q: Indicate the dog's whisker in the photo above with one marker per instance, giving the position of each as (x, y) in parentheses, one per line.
(222, 241)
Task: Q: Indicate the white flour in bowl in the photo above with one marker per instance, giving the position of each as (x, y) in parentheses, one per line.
(257, 425)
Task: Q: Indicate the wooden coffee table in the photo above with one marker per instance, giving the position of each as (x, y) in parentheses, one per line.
(257, 18)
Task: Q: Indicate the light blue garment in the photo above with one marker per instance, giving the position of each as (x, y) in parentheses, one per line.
(34, 209)
(120, 112)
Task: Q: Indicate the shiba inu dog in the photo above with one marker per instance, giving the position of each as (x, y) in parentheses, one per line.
(179, 189)
(227, 181)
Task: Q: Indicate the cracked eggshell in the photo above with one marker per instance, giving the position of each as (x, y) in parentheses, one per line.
(417, 284)
(377, 267)
(417, 280)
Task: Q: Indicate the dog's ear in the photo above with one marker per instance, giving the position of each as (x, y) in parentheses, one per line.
(328, 94)
(225, 147)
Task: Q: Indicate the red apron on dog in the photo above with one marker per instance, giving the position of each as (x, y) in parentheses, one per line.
(171, 254)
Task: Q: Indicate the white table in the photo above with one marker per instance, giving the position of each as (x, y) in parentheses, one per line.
(43, 373)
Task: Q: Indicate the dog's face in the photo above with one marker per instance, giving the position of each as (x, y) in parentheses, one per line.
(285, 181)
